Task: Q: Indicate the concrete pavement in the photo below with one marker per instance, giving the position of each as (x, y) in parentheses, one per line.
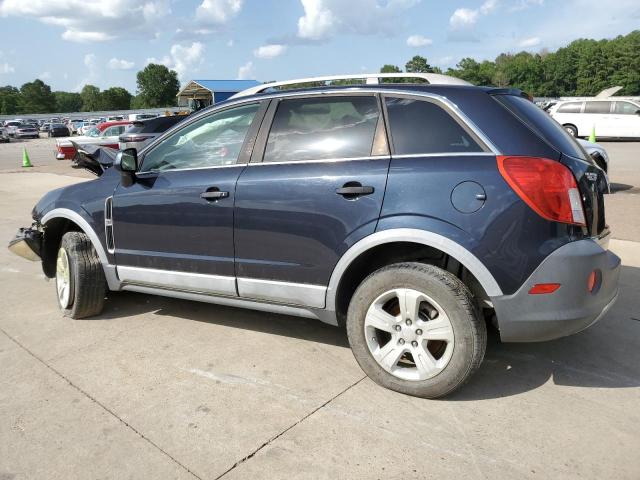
(163, 388)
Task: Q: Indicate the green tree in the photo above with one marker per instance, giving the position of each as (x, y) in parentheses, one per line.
(9, 100)
(419, 64)
(477, 73)
(68, 102)
(115, 98)
(91, 100)
(390, 69)
(36, 97)
(157, 86)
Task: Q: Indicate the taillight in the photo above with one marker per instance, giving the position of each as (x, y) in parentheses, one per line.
(547, 186)
(134, 139)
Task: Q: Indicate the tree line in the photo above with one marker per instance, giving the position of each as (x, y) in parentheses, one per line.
(157, 86)
(582, 68)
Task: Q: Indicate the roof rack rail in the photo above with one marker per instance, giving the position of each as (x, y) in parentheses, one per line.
(370, 79)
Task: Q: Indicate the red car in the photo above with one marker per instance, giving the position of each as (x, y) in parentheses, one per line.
(104, 134)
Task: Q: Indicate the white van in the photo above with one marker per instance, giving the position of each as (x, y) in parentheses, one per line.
(611, 118)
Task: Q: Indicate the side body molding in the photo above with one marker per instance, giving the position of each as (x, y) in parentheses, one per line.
(75, 217)
(464, 256)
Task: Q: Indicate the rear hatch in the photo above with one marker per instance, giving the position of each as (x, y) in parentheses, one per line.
(592, 181)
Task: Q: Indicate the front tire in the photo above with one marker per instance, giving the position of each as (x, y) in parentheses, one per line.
(80, 282)
(414, 328)
(571, 130)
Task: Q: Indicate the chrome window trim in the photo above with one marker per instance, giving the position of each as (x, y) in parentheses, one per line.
(158, 172)
(341, 92)
(446, 154)
(326, 160)
(302, 294)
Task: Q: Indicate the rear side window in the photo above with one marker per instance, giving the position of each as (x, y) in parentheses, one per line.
(322, 128)
(420, 126)
(571, 107)
(541, 123)
(597, 107)
(626, 108)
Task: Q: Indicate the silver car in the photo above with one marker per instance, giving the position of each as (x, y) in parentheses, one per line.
(597, 152)
(4, 135)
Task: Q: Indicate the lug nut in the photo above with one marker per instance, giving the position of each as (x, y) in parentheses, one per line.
(398, 328)
(414, 344)
(401, 341)
(418, 332)
(408, 322)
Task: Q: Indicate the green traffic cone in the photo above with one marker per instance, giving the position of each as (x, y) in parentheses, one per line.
(592, 137)
(25, 159)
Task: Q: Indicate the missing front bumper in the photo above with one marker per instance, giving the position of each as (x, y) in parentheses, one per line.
(27, 244)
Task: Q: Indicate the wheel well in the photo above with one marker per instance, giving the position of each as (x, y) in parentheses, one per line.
(54, 229)
(571, 125)
(396, 252)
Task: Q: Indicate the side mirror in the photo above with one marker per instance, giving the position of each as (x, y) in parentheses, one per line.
(127, 163)
(637, 112)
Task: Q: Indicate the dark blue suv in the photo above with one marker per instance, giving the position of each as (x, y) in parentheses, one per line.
(411, 214)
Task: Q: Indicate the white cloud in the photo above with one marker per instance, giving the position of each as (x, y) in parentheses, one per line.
(467, 17)
(182, 59)
(230, 42)
(44, 76)
(418, 41)
(463, 17)
(218, 11)
(118, 64)
(324, 18)
(245, 71)
(529, 42)
(90, 61)
(269, 51)
(6, 68)
(93, 21)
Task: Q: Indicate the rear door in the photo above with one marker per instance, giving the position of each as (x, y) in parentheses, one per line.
(628, 116)
(600, 117)
(313, 189)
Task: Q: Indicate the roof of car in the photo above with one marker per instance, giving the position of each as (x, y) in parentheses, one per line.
(103, 125)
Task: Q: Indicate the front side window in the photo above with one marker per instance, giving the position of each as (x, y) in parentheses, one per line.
(322, 128)
(571, 107)
(420, 126)
(597, 107)
(212, 141)
(626, 108)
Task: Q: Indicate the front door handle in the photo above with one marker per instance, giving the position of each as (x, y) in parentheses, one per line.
(351, 191)
(214, 195)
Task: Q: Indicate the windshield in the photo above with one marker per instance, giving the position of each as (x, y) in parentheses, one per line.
(93, 132)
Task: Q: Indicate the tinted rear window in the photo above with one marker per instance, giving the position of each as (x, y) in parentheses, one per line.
(542, 124)
(597, 107)
(420, 126)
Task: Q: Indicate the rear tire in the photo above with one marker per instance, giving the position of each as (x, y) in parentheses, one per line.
(80, 282)
(571, 130)
(414, 328)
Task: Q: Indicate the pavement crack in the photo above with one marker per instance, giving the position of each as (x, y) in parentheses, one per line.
(104, 407)
(298, 422)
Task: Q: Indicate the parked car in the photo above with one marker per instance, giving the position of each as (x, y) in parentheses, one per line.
(12, 126)
(410, 214)
(597, 152)
(104, 134)
(26, 130)
(141, 116)
(4, 135)
(610, 118)
(143, 131)
(58, 130)
(74, 126)
(44, 127)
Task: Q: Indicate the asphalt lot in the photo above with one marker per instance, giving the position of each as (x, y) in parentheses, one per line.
(163, 388)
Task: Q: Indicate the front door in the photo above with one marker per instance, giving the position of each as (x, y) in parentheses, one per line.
(316, 190)
(627, 116)
(173, 227)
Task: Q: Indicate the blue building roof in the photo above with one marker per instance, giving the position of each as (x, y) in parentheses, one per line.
(226, 85)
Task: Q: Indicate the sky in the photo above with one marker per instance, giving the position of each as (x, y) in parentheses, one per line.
(69, 43)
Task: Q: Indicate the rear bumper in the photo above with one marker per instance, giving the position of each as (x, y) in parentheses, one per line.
(523, 317)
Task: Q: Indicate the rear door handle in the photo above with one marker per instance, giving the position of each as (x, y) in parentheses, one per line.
(355, 191)
(214, 195)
